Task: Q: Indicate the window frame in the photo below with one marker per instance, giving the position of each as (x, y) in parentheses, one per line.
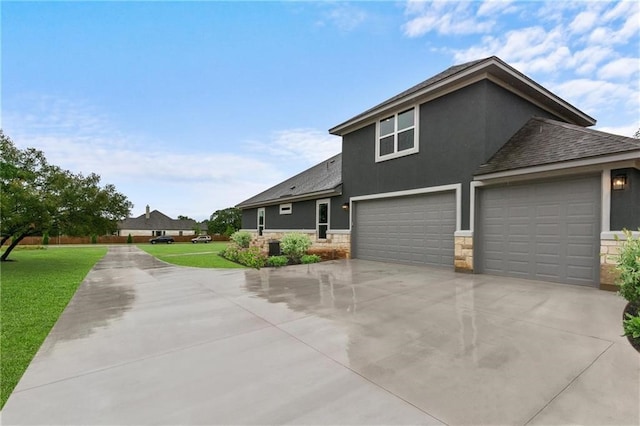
(260, 228)
(326, 201)
(286, 208)
(416, 138)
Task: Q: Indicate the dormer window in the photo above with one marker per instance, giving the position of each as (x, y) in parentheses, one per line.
(397, 135)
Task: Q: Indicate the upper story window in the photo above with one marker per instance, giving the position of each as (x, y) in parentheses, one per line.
(397, 135)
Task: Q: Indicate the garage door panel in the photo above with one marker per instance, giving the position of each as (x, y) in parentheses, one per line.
(546, 230)
(416, 229)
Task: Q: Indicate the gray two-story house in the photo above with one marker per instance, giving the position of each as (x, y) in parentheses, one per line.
(478, 168)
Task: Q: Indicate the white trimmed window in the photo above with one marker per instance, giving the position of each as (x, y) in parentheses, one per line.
(397, 135)
(285, 208)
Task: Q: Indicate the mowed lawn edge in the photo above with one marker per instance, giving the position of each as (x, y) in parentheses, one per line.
(35, 288)
(199, 255)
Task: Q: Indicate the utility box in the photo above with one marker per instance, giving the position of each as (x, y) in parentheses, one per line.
(274, 248)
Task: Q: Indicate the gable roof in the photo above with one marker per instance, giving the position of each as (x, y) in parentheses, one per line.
(324, 179)
(156, 221)
(458, 76)
(543, 141)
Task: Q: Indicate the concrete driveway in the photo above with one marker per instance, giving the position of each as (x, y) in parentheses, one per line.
(343, 342)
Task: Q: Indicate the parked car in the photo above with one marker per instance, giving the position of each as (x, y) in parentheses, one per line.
(201, 239)
(163, 239)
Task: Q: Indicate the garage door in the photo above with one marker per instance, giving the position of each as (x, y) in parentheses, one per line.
(416, 229)
(547, 231)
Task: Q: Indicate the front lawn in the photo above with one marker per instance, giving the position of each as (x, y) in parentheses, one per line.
(196, 255)
(36, 287)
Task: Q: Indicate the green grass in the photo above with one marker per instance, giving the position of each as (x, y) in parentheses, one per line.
(188, 254)
(35, 289)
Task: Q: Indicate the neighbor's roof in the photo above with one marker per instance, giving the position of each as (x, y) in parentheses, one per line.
(542, 141)
(324, 179)
(156, 221)
(458, 76)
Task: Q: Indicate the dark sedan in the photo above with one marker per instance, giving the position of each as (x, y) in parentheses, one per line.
(163, 239)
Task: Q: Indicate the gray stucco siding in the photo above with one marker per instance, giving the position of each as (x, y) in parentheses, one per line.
(303, 216)
(250, 218)
(625, 204)
(458, 133)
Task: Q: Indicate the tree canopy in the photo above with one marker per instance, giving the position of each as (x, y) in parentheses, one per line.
(225, 222)
(38, 197)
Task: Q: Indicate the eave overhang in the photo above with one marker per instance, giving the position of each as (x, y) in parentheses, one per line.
(293, 198)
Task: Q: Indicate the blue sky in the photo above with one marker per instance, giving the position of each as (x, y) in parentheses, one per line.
(192, 107)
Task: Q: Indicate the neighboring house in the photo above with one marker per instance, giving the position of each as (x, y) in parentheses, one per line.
(477, 168)
(155, 223)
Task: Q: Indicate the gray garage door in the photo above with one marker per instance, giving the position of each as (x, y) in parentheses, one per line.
(547, 231)
(415, 229)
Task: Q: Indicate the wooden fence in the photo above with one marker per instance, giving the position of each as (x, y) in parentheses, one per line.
(106, 239)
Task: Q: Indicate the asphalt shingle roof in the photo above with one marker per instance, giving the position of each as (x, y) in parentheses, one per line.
(543, 141)
(156, 221)
(325, 176)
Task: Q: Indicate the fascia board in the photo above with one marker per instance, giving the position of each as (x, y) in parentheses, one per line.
(627, 159)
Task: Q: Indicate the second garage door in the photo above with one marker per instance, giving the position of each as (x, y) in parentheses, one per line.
(547, 231)
(415, 229)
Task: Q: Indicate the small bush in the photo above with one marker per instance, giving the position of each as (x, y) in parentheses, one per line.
(295, 245)
(277, 261)
(629, 268)
(252, 257)
(94, 239)
(310, 258)
(45, 239)
(129, 239)
(632, 326)
(231, 253)
(241, 238)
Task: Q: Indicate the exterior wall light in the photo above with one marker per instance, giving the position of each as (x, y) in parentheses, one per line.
(619, 182)
(345, 207)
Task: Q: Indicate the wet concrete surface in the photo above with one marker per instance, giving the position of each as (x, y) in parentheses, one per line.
(342, 342)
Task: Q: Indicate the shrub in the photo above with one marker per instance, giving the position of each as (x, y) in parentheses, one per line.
(310, 258)
(94, 239)
(632, 326)
(231, 252)
(241, 238)
(252, 257)
(45, 239)
(295, 245)
(629, 268)
(277, 261)
(129, 239)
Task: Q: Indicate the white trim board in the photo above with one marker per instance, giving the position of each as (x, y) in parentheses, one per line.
(457, 187)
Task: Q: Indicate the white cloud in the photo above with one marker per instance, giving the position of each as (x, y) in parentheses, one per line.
(444, 17)
(583, 22)
(620, 68)
(528, 49)
(308, 146)
(596, 94)
(492, 7)
(344, 16)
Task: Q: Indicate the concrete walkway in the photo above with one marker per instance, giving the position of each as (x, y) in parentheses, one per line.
(344, 342)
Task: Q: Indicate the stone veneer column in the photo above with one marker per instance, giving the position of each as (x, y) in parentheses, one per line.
(463, 254)
(608, 260)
